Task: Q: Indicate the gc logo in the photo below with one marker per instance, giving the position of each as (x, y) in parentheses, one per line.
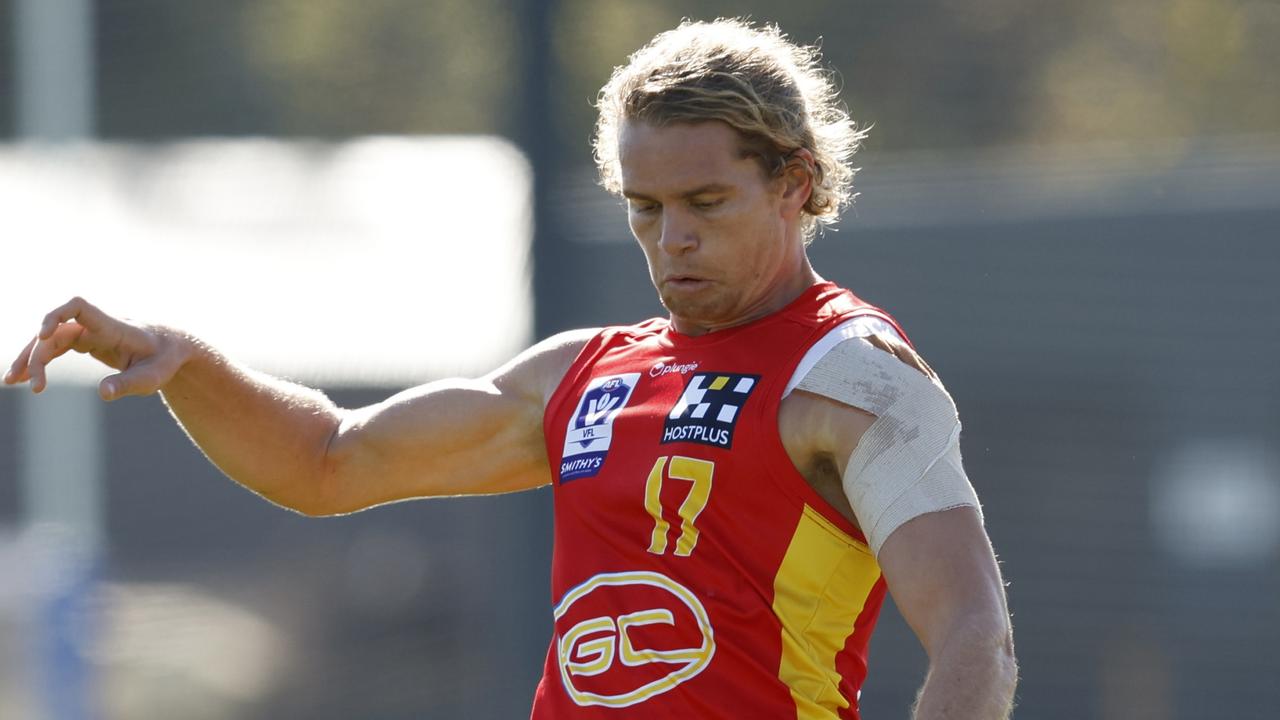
(617, 660)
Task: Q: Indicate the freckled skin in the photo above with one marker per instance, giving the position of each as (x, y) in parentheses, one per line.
(722, 240)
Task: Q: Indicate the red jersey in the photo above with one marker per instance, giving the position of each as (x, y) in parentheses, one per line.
(696, 573)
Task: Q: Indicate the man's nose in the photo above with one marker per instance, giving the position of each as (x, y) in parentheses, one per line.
(678, 236)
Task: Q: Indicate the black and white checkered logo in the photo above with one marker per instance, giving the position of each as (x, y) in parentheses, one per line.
(708, 409)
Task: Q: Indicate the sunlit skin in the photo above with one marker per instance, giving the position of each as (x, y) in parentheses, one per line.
(723, 241)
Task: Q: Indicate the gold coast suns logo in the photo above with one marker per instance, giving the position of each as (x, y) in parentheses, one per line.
(630, 636)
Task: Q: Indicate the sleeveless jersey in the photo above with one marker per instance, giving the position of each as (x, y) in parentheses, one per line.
(696, 574)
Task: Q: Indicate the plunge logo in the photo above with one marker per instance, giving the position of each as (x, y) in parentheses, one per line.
(586, 442)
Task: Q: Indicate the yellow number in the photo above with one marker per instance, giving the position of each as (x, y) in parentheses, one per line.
(698, 472)
(653, 504)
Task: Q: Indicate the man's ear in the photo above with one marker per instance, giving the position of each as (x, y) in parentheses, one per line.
(797, 180)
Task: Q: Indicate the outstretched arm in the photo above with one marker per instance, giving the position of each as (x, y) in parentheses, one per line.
(295, 447)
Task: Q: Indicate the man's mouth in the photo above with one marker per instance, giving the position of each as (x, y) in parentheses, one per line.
(685, 282)
(685, 279)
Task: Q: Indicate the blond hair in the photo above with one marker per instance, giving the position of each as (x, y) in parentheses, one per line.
(769, 89)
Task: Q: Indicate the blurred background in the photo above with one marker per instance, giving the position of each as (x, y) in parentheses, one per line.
(1073, 208)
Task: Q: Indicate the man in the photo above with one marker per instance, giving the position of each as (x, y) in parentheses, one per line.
(735, 487)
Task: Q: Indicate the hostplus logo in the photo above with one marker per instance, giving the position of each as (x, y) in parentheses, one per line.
(708, 409)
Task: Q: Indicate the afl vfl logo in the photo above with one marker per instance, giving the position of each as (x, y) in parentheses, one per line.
(590, 431)
(630, 636)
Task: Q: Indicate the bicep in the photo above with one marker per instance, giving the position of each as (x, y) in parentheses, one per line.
(451, 437)
(943, 576)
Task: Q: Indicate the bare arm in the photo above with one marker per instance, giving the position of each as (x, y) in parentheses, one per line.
(943, 576)
(939, 567)
(295, 447)
(944, 579)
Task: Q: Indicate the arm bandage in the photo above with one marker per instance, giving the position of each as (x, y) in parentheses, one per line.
(908, 462)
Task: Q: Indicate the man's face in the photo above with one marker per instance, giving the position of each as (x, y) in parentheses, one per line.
(720, 237)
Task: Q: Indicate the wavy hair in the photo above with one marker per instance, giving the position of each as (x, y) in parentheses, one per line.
(772, 91)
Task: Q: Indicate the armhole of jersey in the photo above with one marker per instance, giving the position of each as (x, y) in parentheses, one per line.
(582, 363)
(861, 323)
(591, 348)
(857, 327)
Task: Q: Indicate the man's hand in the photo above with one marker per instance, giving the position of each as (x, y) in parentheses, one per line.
(146, 357)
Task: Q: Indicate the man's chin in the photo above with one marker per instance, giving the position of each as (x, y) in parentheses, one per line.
(705, 311)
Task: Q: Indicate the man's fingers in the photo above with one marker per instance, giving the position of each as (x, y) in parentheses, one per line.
(142, 378)
(78, 309)
(18, 368)
(47, 349)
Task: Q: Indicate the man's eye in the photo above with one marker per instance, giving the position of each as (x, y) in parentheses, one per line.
(707, 204)
(643, 208)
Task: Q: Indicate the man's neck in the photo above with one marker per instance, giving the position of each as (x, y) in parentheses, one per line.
(777, 299)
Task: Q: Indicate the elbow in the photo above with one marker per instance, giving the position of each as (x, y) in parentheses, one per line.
(994, 634)
(320, 493)
(1003, 641)
(995, 666)
(311, 509)
(1007, 662)
(308, 497)
(986, 641)
(317, 489)
(1007, 675)
(996, 640)
(313, 504)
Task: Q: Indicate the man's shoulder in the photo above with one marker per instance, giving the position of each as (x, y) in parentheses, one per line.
(567, 345)
(537, 371)
(835, 300)
(835, 309)
(644, 328)
(561, 348)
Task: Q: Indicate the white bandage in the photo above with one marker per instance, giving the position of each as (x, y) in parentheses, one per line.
(908, 462)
